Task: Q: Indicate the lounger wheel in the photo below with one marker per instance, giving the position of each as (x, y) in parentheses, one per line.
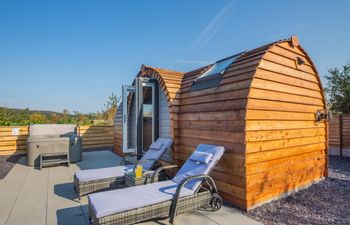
(216, 202)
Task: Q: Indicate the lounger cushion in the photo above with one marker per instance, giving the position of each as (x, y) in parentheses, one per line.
(201, 157)
(110, 202)
(103, 173)
(191, 168)
(156, 145)
(147, 161)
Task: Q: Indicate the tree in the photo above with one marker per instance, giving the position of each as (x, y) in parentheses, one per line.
(38, 118)
(54, 118)
(65, 116)
(110, 107)
(79, 117)
(338, 89)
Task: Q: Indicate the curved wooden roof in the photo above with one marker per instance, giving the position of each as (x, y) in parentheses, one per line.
(169, 80)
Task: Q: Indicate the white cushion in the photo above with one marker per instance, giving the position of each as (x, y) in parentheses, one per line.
(201, 157)
(157, 145)
(103, 173)
(110, 202)
(147, 161)
(191, 168)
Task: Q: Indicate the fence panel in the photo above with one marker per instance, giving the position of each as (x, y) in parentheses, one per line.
(16, 143)
(339, 135)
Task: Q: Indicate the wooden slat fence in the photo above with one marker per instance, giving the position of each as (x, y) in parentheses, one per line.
(93, 137)
(96, 136)
(339, 135)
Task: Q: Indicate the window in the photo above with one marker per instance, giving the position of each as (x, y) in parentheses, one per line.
(213, 75)
(218, 68)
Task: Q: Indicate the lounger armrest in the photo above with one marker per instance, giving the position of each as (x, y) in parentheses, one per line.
(205, 178)
(142, 161)
(146, 160)
(156, 173)
(148, 175)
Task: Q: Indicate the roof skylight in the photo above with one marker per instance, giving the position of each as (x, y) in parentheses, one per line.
(219, 67)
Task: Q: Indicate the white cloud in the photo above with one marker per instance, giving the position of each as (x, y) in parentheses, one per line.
(212, 27)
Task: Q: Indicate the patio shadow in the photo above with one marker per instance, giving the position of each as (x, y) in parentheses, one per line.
(65, 190)
(98, 159)
(72, 215)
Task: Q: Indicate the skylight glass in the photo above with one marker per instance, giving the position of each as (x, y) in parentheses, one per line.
(219, 67)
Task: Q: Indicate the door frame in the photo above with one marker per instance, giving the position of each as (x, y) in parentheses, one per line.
(139, 84)
(126, 89)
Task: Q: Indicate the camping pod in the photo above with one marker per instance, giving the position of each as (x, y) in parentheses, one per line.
(259, 104)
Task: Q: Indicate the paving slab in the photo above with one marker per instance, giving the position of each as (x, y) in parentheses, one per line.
(11, 188)
(46, 197)
(30, 209)
(229, 216)
(30, 205)
(61, 204)
(98, 159)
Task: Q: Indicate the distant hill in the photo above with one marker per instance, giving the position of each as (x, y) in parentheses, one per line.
(32, 111)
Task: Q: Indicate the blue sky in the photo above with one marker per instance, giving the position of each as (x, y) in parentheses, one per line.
(62, 54)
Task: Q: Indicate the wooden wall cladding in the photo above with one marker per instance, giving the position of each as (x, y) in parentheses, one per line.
(217, 116)
(285, 148)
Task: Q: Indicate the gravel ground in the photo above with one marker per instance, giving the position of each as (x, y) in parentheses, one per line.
(6, 164)
(327, 202)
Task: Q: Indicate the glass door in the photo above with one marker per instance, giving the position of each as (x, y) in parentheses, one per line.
(147, 108)
(140, 115)
(148, 115)
(129, 119)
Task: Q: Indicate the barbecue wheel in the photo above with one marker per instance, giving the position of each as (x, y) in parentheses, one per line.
(216, 202)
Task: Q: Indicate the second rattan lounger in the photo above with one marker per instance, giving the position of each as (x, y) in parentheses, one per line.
(92, 180)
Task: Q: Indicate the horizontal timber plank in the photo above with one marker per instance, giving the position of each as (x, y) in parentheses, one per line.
(285, 88)
(263, 166)
(216, 106)
(211, 125)
(261, 146)
(259, 104)
(285, 61)
(272, 190)
(228, 136)
(208, 116)
(281, 69)
(282, 153)
(279, 115)
(284, 97)
(279, 174)
(258, 125)
(261, 135)
(284, 79)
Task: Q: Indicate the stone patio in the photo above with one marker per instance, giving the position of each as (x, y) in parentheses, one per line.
(36, 197)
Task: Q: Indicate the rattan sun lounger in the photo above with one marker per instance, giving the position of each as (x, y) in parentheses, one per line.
(92, 180)
(190, 189)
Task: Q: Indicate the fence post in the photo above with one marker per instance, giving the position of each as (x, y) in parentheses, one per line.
(341, 134)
